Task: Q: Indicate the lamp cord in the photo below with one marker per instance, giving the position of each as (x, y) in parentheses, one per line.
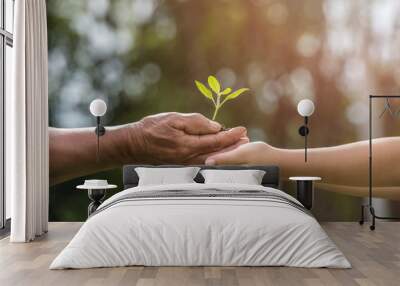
(305, 147)
(305, 138)
(98, 140)
(98, 149)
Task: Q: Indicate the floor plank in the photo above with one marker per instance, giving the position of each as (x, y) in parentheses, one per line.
(375, 257)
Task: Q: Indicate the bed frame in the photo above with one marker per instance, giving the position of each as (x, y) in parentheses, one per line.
(270, 179)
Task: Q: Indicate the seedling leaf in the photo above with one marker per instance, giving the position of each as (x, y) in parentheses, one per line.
(236, 94)
(204, 90)
(214, 84)
(226, 91)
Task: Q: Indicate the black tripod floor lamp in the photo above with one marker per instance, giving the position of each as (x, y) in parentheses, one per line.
(370, 205)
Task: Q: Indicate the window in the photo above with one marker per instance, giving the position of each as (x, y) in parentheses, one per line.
(6, 44)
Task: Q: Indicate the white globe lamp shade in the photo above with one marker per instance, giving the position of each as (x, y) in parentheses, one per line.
(305, 107)
(98, 107)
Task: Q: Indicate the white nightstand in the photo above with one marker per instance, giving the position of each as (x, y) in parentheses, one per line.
(96, 192)
(305, 190)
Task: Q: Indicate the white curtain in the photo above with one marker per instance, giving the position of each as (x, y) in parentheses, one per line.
(27, 124)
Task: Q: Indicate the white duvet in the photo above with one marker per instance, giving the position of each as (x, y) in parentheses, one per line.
(200, 231)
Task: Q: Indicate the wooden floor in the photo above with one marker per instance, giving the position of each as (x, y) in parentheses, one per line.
(375, 257)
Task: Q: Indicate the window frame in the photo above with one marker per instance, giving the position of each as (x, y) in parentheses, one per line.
(6, 39)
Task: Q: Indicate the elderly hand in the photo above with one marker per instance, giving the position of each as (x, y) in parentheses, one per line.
(175, 138)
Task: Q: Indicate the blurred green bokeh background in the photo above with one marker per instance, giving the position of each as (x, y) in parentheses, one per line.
(142, 57)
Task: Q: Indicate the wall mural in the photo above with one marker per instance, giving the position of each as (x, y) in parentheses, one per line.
(146, 57)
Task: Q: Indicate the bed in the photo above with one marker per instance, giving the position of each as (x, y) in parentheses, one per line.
(198, 224)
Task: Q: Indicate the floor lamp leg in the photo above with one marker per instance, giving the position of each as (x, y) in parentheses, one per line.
(372, 226)
(361, 222)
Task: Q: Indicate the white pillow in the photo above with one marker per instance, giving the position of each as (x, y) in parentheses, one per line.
(248, 177)
(163, 176)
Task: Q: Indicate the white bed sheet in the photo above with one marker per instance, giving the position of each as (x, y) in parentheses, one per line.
(199, 232)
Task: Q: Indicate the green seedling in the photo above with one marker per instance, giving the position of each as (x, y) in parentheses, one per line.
(221, 95)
